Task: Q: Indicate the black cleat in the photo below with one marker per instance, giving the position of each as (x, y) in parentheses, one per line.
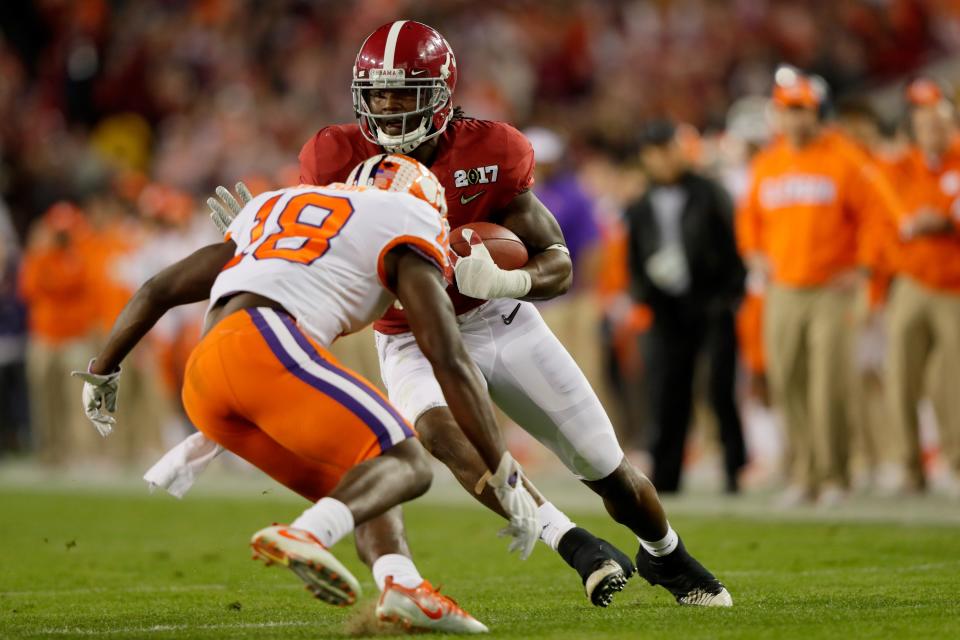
(603, 568)
(684, 577)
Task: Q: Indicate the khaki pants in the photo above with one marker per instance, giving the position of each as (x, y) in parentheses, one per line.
(807, 335)
(924, 330)
(60, 428)
(873, 440)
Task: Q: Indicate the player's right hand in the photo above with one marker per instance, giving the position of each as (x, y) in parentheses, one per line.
(226, 208)
(99, 394)
(478, 276)
(507, 483)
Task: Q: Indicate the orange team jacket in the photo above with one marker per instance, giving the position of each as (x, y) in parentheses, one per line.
(883, 233)
(102, 248)
(814, 211)
(932, 260)
(61, 297)
(886, 239)
(482, 165)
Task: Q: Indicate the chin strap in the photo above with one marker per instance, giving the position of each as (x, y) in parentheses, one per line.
(388, 142)
(395, 144)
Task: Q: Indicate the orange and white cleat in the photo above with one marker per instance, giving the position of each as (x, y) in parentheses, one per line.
(424, 609)
(300, 551)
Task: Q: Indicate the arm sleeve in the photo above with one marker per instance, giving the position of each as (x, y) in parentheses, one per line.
(27, 281)
(748, 222)
(876, 209)
(734, 273)
(639, 282)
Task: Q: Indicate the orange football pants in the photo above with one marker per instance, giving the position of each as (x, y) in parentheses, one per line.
(257, 385)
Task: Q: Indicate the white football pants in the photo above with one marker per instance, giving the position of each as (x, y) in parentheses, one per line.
(530, 376)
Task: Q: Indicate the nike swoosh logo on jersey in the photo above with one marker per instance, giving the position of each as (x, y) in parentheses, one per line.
(417, 72)
(468, 199)
(513, 314)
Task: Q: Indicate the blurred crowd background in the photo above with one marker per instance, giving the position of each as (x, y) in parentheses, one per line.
(118, 119)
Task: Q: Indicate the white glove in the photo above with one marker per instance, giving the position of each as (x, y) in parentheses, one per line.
(99, 393)
(521, 509)
(478, 276)
(224, 210)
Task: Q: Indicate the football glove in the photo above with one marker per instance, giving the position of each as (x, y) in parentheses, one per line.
(523, 527)
(99, 394)
(224, 210)
(478, 276)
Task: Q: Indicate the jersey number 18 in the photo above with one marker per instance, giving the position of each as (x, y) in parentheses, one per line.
(306, 226)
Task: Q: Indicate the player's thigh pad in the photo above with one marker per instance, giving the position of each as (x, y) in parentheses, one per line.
(538, 384)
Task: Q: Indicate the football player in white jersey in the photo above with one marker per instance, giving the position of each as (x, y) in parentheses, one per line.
(300, 267)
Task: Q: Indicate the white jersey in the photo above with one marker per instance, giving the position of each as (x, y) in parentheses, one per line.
(319, 252)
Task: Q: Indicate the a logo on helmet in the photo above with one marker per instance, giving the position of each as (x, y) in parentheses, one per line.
(385, 172)
(392, 172)
(387, 77)
(445, 67)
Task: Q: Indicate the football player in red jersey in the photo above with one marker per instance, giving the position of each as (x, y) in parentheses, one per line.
(403, 83)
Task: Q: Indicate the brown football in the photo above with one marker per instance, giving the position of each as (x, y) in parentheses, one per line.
(505, 247)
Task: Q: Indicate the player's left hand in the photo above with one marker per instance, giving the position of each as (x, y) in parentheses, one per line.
(478, 276)
(99, 393)
(520, 506)
(224, 210)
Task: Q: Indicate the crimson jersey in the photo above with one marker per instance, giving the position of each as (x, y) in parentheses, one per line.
(482, 165)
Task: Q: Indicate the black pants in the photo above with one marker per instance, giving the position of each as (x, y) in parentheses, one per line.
(672, 348)
(14, 412)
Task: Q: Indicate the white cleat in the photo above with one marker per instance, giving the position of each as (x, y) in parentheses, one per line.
(326, 578)
(424, 609)
(702, 598)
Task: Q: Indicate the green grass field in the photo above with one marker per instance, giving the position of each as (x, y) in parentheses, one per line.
(88, 564)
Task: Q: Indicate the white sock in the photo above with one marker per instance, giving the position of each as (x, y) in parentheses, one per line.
(400, 567)
(664, 546)
(329, 520)
(553, 524)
